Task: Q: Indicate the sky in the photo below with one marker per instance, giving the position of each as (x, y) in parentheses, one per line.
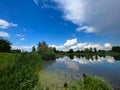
(64, 24)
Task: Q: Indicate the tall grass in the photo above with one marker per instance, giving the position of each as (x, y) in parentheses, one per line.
(90, 83)
(22, 74)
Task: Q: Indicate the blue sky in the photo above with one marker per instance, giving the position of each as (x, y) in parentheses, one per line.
(64, 24)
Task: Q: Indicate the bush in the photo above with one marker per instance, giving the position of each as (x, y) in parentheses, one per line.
(48, 55)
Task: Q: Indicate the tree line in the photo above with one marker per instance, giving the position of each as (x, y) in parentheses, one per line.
(42, 47)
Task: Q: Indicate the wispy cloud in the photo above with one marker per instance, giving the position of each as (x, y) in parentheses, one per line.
(4, 24)
(95, 16)
(36, 2)
(87, 29)
(4, 34)
(22, 39)
(19, 35)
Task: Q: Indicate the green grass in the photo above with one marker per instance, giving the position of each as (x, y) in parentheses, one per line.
(90, 83)
(6, 60)
(22, 73)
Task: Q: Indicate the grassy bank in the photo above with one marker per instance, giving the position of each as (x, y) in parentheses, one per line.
(6, 60)
(19, 71)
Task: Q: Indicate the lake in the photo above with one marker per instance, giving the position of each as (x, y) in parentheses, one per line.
(70, 68)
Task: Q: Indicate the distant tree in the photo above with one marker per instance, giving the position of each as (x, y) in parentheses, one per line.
(5, 45)
(54, 49)
(33, 49)
(95, 50)
(78, 51)
(116, 49)
(90, 50)
(71, 51)
(15, 51)
(42, 46)
(86, 50)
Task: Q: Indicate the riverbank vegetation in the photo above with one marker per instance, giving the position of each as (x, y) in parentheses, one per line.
(19, 71)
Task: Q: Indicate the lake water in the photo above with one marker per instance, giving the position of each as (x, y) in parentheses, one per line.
(71, 68)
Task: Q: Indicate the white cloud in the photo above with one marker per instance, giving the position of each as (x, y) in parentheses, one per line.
(101, 15)
(19, 35)
(22, 39)
(4, 24)
(36, 2)
(4, 34)
(108, 46)
(86, 28)
(70, 42)
(26, 48)
(73, 44)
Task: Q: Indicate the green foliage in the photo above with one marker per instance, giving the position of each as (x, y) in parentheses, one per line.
(33, 49)
(116, 49)
(48, 55)
(15, 51)
(6, 60)
(42, 46)
(5, 45)
(70, 51)
(90, 83)
(22, 74)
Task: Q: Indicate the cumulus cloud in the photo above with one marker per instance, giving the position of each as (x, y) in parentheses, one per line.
(4, 24)
(73, 44)
(70, 42)
(4, 34)
(108, 46)
(102, 16)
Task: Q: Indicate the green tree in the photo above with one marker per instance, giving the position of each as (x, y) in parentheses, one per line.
(86, 50)
(70, 51)
(116, 49)
(33, 49)
(5, 45)
(42, 46)
(15, 51)
(95, 50)
(90, 50)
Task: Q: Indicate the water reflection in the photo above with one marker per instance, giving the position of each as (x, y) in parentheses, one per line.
(86, 60)
(72, 67)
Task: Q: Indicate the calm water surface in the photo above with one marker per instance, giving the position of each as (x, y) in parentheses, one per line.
(72, 68)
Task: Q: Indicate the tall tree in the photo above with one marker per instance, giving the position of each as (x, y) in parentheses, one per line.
(86, 50)
(5, 45)
(70, 51)
(95, 50)
(33, 49)
(42, 46)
